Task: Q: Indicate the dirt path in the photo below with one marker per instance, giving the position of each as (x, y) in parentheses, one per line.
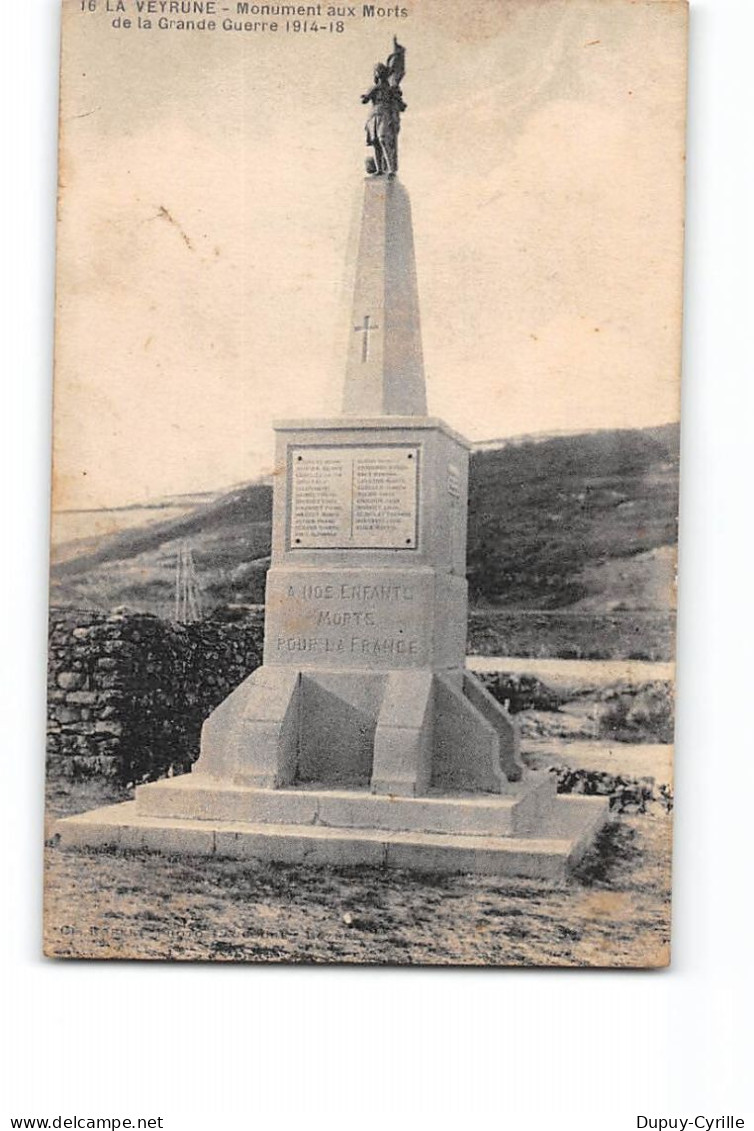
(563, 674)
(633, 760)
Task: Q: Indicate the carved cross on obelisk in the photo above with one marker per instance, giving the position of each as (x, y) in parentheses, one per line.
(366, 329)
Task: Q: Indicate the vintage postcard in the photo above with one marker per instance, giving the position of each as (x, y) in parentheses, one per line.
(365, 482)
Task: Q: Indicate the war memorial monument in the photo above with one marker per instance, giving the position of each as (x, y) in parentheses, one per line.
(362, 739)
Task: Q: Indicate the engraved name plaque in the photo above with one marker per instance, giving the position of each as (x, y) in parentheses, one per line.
(354, 498)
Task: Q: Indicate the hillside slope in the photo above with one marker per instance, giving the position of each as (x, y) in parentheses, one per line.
(586, 521)
(546, 517)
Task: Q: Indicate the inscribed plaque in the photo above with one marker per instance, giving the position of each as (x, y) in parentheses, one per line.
(354, 498)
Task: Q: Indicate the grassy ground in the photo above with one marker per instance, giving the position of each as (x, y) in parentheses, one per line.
(614, 912)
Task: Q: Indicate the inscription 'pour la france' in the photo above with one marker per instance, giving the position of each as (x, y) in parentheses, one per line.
(354, 498)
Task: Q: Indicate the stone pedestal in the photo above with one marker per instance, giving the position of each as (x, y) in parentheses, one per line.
(363, 738)
(364, 683)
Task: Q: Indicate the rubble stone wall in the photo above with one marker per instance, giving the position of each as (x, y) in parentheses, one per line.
(127, 693)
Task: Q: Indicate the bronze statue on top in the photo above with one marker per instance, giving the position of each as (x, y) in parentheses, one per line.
(384, 122)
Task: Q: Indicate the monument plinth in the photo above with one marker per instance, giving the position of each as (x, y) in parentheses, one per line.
(363, 738)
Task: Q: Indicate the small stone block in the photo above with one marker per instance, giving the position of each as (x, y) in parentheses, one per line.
(171, 839)
(82, 832)
(269, 844)
(451, 854)
(338, 850)
(190, 798)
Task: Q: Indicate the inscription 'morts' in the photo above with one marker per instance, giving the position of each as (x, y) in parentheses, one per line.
(354, 498)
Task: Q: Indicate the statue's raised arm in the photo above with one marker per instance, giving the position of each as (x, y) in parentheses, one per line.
(384, 121)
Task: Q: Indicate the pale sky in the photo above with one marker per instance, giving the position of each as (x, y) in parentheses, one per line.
(208, 181)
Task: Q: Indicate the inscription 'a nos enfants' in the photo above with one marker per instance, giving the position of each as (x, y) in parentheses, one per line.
(344, 592)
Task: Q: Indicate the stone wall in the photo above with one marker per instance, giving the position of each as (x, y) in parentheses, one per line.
(127, 693)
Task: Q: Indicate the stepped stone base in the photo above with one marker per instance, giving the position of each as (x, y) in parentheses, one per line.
(527, 832)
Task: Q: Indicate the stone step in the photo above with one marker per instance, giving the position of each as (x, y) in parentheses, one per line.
(561, 840)
(196, 796)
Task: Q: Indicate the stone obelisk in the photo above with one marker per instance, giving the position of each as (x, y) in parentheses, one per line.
(385, 367)
(362, 738)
